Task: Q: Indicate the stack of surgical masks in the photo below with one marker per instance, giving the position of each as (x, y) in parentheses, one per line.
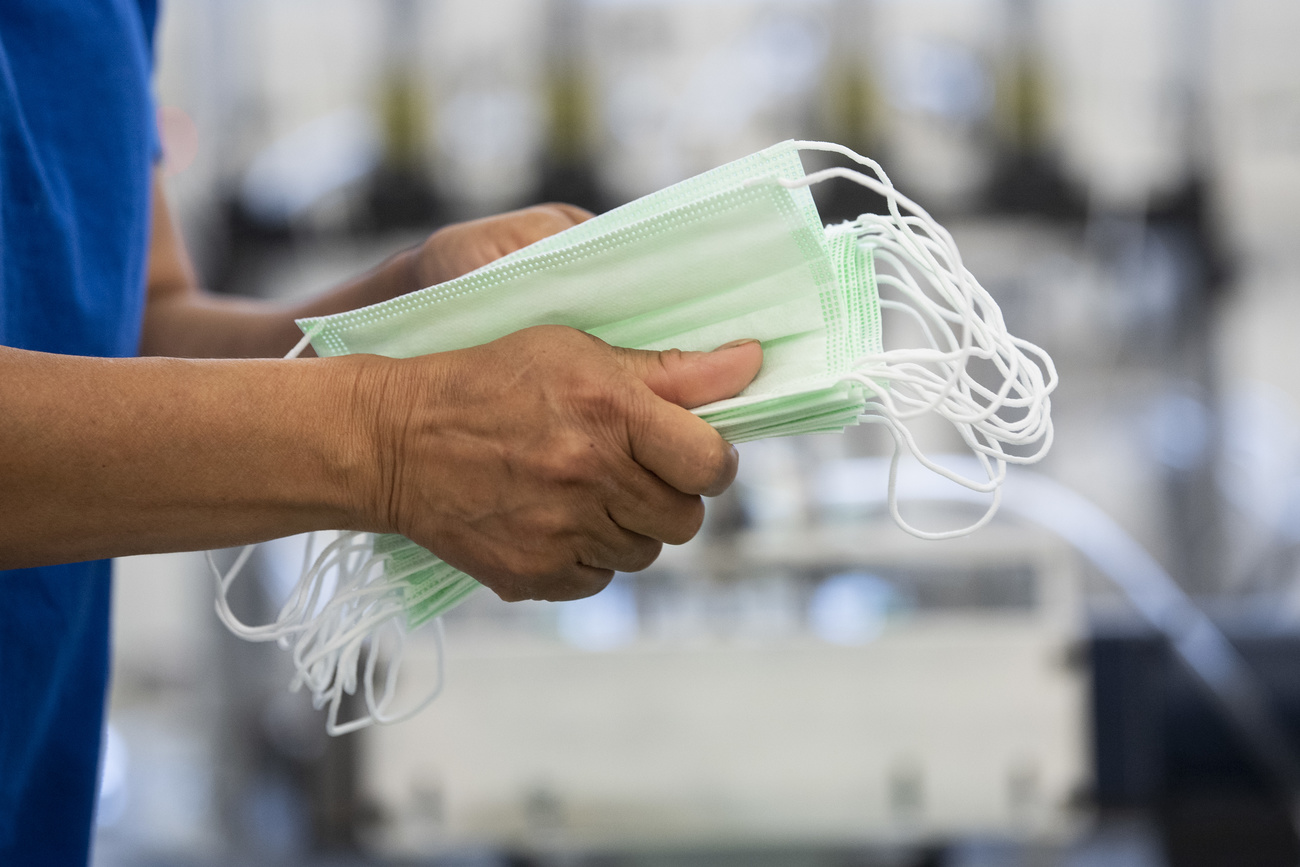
(738, 252)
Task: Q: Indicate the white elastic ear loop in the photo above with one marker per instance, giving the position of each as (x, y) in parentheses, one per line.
(300, 345)
(892, 494)
(378, 709)
(918, 390)
(905, 360)
(329, 637)
(893, 198)
(906, 239)
(252, 633)
(326, 654)
(939, 244)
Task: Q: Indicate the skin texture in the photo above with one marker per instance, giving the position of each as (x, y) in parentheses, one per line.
(538, 463)
(555, 459)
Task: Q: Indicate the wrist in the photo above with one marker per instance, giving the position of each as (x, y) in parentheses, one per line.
(380, 402)
(350, 444)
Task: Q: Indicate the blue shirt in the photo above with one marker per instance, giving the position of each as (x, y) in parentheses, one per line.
(76, 149)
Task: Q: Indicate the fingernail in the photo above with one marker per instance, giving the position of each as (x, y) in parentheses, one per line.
(733, 344)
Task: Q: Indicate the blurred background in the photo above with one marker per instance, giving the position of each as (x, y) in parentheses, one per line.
(1108, 674)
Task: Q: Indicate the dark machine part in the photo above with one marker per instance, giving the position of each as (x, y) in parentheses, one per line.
(1163, 747)
(567, 173)
(401, 194)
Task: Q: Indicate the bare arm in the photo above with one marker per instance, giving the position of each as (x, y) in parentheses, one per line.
(181, 320)
(538, 463)
(105, 457)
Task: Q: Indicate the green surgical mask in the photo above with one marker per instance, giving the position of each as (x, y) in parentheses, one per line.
(726, 255)
(737, 252)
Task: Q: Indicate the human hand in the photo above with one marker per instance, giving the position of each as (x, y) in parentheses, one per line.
(544, 461)
(461, 247)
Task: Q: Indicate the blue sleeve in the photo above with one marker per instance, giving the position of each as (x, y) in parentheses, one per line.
(149, 22)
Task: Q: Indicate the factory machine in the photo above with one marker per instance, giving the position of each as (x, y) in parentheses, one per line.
(838, 685)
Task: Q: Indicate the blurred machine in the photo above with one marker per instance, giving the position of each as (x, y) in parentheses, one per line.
(845, 685)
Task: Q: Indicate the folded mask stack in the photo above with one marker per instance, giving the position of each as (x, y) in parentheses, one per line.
(737, 252)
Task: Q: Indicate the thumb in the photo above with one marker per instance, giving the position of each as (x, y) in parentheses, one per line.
(692, 379)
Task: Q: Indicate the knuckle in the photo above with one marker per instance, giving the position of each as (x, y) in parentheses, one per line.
(538, 575)
(642, 555)
(669, 357)
(510, 576)
(575, 582)
(570, 460)
(510, 592)
(553, 220)
(714, 467)
(687, 522)
(595, 398)
(528, 563)
(548, 209)
(589, 582)
(554, 559)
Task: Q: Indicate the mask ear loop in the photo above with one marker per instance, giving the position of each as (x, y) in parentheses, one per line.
(328, 656)
(272, 631)
(301, 344)
(924, 252)
(378, 708)
(904, 384)
(327, 636)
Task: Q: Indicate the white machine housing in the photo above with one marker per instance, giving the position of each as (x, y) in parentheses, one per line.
(700, 731)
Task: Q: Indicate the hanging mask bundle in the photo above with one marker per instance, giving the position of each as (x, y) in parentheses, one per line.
(737, 252)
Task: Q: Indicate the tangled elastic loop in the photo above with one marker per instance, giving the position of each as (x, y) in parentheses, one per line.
(365, 598)
(960, 322)
(345, 600)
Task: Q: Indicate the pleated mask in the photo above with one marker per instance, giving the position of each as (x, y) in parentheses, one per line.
(737, 252)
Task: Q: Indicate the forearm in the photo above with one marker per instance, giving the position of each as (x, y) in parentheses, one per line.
(182, 321)
(106, 457)
(190, 323)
